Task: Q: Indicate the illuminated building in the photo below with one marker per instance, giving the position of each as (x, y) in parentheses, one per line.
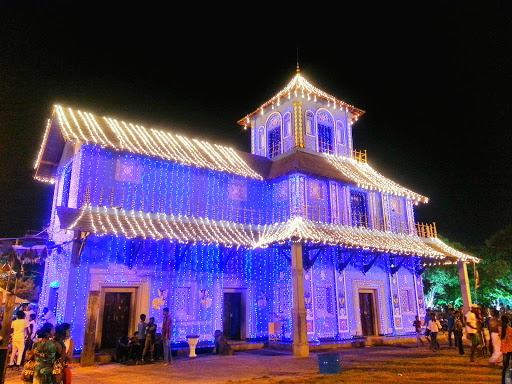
(302, 232)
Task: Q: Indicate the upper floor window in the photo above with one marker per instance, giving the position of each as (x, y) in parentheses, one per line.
(66, 184)
(325, 132)
(261, 138)
(261, 141)
(359, 209)
(340, 137)
(309, 124)
(287, 124)
(274, 135)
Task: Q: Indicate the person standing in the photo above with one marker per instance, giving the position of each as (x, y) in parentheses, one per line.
(434, 326)
(458, 330)
(494, 328)
(49, 317)
(417, 326)
(141, 336)
(506, 345)
(46, 352)
(166, 336)
(149, 345)
(472, 331)
(19, 334)
(31, 333)
(450, 320)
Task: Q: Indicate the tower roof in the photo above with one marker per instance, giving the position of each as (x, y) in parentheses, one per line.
(300, 87)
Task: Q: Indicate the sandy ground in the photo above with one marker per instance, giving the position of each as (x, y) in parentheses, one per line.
(366, 365)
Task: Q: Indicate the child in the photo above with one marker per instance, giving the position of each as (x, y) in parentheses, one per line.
(27, 374)
(417, 326)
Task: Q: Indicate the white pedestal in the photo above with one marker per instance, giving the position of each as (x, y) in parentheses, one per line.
(192, 343)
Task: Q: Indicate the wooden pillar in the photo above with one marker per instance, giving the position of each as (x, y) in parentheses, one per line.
(464, 286)
(5, 333)
(89, 349)
(300, 344)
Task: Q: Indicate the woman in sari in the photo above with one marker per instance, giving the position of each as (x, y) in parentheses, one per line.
(46, 351)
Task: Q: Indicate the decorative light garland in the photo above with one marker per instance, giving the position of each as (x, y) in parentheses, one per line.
(299, 82)
(86, 128)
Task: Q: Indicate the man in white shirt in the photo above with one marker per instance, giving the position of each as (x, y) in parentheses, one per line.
(472, 329)
(19, 333)
(49, 317)
(434, 326)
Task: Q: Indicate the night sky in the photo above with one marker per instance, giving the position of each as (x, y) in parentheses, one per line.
(435, 80)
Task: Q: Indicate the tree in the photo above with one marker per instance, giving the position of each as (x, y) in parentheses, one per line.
(441, 284)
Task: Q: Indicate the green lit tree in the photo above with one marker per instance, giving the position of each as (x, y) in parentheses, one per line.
(441, 284)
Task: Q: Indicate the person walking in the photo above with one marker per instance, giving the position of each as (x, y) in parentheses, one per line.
(494, 328)
(141, 336)
(458, 329)
(506, 346)
(149, 345)
(417, 326)
(19, 335)
(166, 336)
(434, 326)
(472, 331)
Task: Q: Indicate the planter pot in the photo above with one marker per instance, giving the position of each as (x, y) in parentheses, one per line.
(192, 341)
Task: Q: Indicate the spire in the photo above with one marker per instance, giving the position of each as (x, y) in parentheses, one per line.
(298, 68)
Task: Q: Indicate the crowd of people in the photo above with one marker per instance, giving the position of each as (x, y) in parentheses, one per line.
(143, 346)
(488, 330)
(42, 354)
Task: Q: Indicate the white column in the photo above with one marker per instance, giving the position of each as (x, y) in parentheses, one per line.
(464, 285)
(300, 344)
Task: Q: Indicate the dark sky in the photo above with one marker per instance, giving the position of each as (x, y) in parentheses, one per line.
(434, 78)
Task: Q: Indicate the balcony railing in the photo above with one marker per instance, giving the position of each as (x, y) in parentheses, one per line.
(327, 147)
(267, 215)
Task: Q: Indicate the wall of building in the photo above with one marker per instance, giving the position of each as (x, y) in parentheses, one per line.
(193, 288)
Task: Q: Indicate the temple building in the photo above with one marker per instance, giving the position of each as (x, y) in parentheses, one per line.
(300, 240)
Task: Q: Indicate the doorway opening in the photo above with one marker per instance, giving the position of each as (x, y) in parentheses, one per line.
(367, 312)
(233, 315)
(116, 317)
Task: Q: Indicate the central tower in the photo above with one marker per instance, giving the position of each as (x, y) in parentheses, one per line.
(301, 115)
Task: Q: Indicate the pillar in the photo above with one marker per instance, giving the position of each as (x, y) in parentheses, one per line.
(10, 303)
(300, 344)
(464, 285)
(89, 349)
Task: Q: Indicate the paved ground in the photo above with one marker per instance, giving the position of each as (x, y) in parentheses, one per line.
(367, 365)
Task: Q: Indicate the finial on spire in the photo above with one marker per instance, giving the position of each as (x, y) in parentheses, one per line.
(298, 68)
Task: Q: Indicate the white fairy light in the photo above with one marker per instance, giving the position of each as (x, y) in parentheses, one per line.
(43, 143)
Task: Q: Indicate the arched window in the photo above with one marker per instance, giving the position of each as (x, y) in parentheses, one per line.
(274, 135)
(325, 135)
(287, 124)
(261, 139)
(309, 124)
(340, 138)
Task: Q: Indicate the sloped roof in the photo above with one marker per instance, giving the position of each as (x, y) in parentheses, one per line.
(299, 86)
(71, 125)
(191, 229)
(84, 127)
(338, 168)
(110, 221)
